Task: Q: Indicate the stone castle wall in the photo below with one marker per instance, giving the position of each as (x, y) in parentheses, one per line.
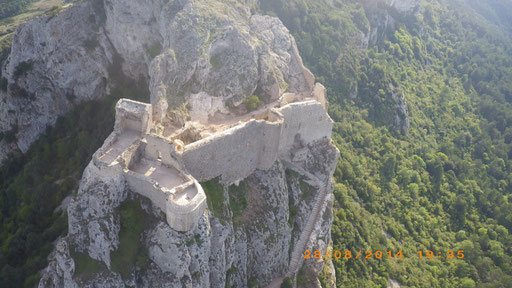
(157, 147)
(232, 154)
(133, 115)
(146, 187)
(182, 217)
(235, 153)
(306, 119)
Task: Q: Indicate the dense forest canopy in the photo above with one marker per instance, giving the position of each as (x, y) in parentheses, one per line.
(12, 7)
(423, 112)
(444, 183)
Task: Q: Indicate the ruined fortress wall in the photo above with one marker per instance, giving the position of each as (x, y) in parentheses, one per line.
(307, 119)
(131, 124)
(160, 147)
(133, 115)
(270, 137)
(145, 187)
(234, 153)
(132, 154)
(319, 94)
(231, 153)
(184, 221)
(185, 217)
(237, 152)
(111, 139)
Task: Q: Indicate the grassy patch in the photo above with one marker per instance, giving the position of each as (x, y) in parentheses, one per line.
(131, 252)
(301, 276)
(215, 196)
(198, 239)
(190, 241)
(287, 283)
(293, 211)
(305, 188)
(9, 24)
(85, 266)
(154, 50)
(237, 200)
(230, 272)
(53, 11)
(5, 49)
(252, 282)
(305, 278)
(291, 176)
(291, 173)
(294, 177)
(215, 62)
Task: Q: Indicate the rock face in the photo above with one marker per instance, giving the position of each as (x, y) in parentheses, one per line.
(185, 47)
(210, 56)
(55, 63)
(383, 18)
(224, 55)
(236, 246)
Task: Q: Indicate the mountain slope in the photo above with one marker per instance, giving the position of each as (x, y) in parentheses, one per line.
(443, 183)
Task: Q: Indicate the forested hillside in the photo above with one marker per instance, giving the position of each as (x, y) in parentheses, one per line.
(442, 183)
(423, 113)
(12, 7)
(33, 186)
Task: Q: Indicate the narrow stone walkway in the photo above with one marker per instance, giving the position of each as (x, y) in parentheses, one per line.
(298, 252)
(297, 256)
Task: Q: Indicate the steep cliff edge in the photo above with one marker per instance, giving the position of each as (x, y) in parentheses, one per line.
(187, 49)
(55, 63)
(204, 61)
(246, 238)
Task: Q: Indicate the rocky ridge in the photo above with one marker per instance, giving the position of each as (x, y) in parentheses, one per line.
(188, 49)
(209, 56)
(245, 248)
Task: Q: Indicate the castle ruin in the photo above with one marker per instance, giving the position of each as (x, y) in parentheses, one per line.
(166, 164)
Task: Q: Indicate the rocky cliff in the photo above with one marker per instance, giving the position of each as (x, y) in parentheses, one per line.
(246, 239)
(56, 62)
(208, 56)
(213, 52)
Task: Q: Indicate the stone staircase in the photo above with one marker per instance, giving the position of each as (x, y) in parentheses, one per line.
(298, 251)
(297, 256)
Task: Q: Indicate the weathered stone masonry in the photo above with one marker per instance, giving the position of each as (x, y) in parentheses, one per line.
(167, 172)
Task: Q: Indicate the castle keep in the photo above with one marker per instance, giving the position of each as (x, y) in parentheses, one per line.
(166, 165)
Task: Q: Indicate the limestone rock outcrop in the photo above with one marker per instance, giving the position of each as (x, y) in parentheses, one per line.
(202, 58)
(383, 18)
(234, 247)
(55, 63)
(184, 47)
